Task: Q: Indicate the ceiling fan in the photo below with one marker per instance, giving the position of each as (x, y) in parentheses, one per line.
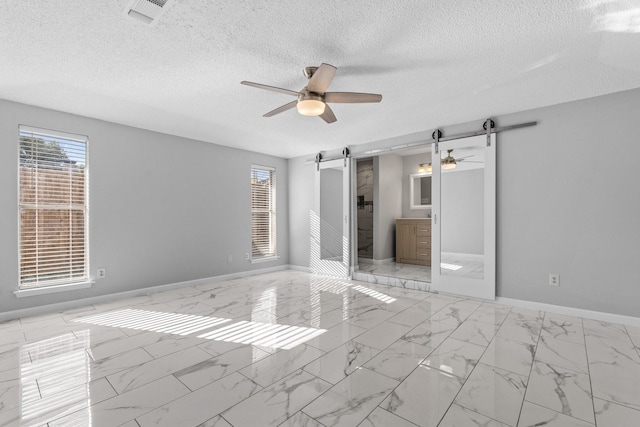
(313, 98)
(450, 162)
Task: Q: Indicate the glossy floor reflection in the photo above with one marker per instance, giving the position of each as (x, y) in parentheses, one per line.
(293, 349)
(452, 264)
(399, 270)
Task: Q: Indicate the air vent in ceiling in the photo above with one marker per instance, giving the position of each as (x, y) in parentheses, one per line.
(147, 11)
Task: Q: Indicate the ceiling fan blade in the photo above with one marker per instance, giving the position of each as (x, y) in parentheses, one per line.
(464, 157)
(351, 97)
(281, 109)
(271, 88)
(328, 115)
(321, 78)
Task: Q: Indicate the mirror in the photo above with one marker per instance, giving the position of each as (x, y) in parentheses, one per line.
(419, 191)
(462, 214)
(330, 220)
(331, 229)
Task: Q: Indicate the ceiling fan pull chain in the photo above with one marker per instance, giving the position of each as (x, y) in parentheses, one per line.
(488, 125)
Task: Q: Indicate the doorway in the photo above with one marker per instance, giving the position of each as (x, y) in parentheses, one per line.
(451, 224)
(382, 198)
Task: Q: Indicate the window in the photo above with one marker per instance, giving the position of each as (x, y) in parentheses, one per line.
(263, 212)
(53, 208)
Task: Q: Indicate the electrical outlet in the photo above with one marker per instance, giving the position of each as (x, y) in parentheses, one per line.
(554, 280)
(101, 273)
(229, 258)
(246, 256)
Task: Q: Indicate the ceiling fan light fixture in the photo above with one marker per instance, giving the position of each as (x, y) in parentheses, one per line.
(310, 105)
(449, 163)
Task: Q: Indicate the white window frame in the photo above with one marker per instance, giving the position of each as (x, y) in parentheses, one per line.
(272, 252)
(73, 281)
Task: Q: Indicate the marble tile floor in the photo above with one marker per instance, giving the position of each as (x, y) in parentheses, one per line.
(292, 349)
(453, 264)
(377, 279)
(462, 265)
(398, 270)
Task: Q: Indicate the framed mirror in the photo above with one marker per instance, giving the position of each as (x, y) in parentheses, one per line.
(420, 191)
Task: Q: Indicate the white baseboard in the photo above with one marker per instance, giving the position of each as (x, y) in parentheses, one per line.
(62, 306)
(299, 268)
(570, 311)
(67, 305)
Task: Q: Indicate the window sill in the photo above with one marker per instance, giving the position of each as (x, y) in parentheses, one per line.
(52, 289)
(264, 259)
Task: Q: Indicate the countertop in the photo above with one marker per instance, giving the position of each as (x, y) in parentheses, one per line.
(413, 219)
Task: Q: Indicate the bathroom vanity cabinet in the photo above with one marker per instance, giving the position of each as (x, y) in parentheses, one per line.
(413, 241)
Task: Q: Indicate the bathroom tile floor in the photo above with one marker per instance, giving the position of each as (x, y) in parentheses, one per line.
(452, 263)
(399, 270)
(293, 349)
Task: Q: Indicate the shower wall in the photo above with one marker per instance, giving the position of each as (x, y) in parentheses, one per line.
(365, 208)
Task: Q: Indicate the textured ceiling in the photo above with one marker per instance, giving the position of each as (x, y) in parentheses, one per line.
(435, 62)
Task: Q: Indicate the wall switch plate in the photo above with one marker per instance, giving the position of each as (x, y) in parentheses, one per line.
(229, 258)
(246, 256)
(101, 273)
(554, 280)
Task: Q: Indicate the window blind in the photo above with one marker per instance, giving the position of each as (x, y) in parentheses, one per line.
(263, 212)
(53, 196)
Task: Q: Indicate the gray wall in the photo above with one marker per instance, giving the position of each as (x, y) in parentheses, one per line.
(462, 211)
(387, 204)
(163, 209)
(567, 202)
(301, 205)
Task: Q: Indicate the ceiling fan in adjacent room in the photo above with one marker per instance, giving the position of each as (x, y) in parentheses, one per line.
(451, 162)
(313, 98)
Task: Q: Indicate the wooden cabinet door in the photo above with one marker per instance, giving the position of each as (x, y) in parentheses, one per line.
(412, 252)
(401, 247)
(405, 242)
